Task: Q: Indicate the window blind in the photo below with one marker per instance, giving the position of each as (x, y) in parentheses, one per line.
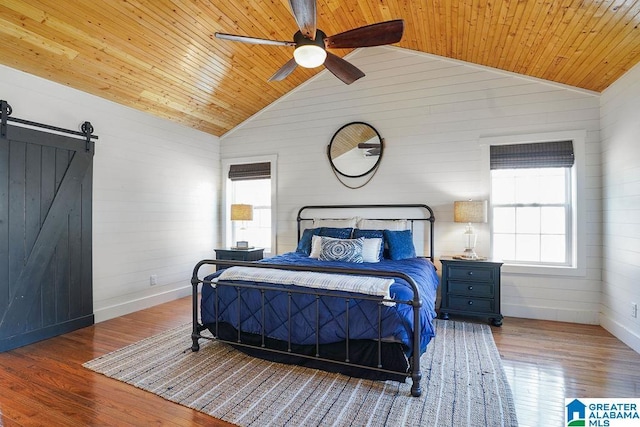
(556, 154)
(247, 171)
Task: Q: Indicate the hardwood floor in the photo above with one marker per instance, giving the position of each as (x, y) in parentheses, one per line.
(45, 383)
(548, 361)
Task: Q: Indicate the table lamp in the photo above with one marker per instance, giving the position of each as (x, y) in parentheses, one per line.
(470, 211)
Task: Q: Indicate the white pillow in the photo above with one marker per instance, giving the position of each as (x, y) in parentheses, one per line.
(371, 250)
(316, 247)
(335, 223)
(383, 224)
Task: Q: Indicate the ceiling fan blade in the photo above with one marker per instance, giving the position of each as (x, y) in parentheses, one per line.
(379, 34)
(284, 71)
(253, 40)
(364, 145)
(304, 12)
(342, 69)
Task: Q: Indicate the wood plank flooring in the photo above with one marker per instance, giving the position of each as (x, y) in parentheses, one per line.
(548, 361)
(45, 383)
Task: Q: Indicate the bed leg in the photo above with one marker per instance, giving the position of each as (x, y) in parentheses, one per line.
(195, 346)
(416, 390)
(195, 331)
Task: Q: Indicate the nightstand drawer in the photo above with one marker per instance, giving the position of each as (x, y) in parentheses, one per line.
(471, 273)
(472, 289)
(471, 304)
(235, 256)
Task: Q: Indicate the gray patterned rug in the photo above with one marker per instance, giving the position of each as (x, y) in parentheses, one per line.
(463, 384)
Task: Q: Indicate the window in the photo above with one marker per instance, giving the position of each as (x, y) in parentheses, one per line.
(256, 193)
(532, 203)
(251, 183)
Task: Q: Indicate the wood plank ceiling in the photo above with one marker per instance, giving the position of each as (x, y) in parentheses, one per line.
(160, 56)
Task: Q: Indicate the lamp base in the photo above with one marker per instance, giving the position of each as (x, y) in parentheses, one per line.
(469, 253)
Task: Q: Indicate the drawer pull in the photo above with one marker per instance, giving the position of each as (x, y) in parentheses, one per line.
(470, 273)
(470, 288)
(470, 302)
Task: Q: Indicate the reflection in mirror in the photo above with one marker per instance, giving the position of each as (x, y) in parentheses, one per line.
(355, 150)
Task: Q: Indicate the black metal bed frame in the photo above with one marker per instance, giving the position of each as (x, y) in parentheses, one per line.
(415, 302)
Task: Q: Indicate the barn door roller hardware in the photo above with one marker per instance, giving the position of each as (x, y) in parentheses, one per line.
(5, 113)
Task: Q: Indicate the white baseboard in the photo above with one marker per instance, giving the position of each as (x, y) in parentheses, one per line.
(621, 332)
(137, 304)
(548, 313)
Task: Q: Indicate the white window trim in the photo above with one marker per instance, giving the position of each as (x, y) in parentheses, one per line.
(226, 189)
(578, 267)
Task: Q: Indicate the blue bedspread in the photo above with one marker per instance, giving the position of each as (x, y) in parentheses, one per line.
(397, 320)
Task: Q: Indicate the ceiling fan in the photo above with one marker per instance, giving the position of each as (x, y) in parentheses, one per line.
(372, 149)
(311, 44)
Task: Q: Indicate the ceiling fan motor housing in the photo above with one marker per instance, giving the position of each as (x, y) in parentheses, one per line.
(301, 40)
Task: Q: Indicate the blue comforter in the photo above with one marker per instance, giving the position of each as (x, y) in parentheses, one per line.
(397, 320)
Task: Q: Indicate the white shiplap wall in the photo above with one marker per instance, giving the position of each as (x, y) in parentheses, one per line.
(620, 121)
(432, 113)
(155, 191)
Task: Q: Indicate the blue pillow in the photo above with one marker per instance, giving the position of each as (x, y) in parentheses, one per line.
(371, 234)
(400, 244)
(304, 245)
(337, 233)
(349, 250)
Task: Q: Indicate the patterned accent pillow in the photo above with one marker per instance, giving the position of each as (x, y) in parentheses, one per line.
(349, 250)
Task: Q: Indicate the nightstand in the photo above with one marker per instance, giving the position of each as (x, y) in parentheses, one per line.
(230, 254)
(471, 288)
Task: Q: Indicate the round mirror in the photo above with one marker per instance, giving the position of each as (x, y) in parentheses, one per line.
(355, 150)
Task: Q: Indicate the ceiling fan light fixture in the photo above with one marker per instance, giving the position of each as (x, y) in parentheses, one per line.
(309, 56)
(309, 53)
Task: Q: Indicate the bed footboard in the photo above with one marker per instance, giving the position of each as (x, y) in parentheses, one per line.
(414, 365)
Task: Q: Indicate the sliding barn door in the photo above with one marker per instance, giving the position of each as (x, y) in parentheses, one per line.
(45, 235)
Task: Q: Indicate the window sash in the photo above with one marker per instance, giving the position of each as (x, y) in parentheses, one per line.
(249, 230)
(568, 234)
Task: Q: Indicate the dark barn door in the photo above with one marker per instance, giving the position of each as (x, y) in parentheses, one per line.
(45, 235)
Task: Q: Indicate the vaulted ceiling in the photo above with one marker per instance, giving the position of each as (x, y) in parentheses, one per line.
(161, 56)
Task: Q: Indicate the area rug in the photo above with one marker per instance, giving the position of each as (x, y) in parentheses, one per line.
(463, 384)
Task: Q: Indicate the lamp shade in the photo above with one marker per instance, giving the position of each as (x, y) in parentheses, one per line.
(240, 212)
(470, 211)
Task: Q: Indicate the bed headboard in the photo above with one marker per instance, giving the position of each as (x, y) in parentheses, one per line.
(419, 217)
